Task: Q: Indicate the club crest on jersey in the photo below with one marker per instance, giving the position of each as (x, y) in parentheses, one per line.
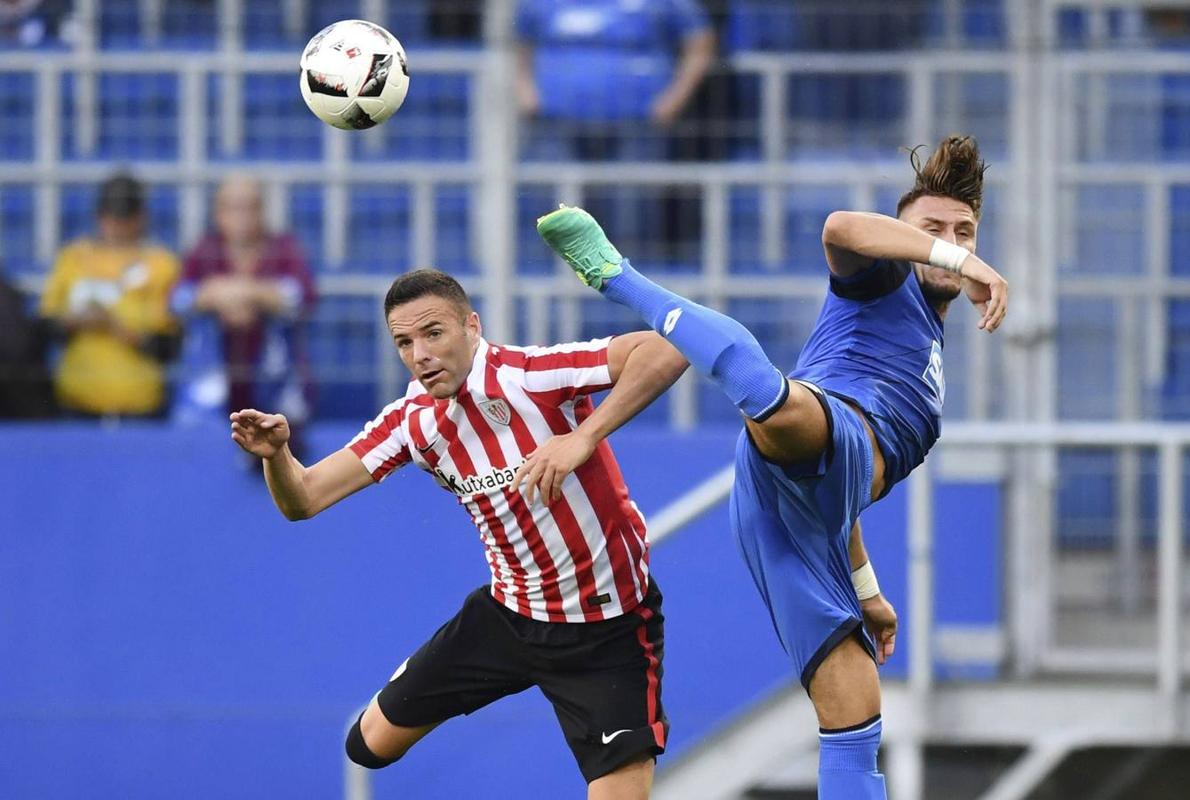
(497, 411)
(933, 374)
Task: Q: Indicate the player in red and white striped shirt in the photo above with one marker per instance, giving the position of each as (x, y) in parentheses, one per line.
(571, 607)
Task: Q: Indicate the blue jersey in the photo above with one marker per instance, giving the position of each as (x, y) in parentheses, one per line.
(605, 59)
(878, 343)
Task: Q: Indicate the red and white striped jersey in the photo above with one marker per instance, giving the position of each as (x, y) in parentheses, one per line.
(581, 559)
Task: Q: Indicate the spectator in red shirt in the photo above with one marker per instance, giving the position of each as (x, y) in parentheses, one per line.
(256, 286)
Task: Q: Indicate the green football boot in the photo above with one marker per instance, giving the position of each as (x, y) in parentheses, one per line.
(576, 236)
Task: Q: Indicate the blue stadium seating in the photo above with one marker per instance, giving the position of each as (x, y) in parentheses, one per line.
(1175, 117)
(137, 118)
(378, 220)
(453, 246)
(1176, 389)
(531, 202)
(276, 123)
(16, 233)
(305, 220)
(119, 24)
(341, 342)
(16, 116)
(78, 211)
(190, 24)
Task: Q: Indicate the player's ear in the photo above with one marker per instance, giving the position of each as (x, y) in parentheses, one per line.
(473, 326)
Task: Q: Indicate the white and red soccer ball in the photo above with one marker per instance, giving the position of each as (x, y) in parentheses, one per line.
(354, 74)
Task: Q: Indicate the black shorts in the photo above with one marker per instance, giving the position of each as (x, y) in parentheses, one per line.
(603, 678)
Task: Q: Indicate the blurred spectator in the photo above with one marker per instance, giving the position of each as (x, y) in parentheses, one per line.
(591, 61)
(25, 389)
(606, 80)
(29, 23)
(255, 287)
(109, 296)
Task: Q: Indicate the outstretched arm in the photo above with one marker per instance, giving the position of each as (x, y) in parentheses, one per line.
(299, 492)
(854, 239)
(642, 366)
(880, 617)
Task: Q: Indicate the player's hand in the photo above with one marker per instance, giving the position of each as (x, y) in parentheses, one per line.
(547, 466)
(987, 290)
(259, 433)
(880, 618)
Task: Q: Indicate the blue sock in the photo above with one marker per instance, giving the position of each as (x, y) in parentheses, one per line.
(714, 344)
(847, 763)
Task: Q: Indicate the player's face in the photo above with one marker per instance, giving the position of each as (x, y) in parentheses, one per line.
(948, 219)
(436, 340)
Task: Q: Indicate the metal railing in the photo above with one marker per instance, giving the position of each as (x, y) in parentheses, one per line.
(1028, 589)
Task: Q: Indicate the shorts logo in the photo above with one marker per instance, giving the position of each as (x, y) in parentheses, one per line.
(497, 411)
(607, 737)
(400, 671)
(671, 321)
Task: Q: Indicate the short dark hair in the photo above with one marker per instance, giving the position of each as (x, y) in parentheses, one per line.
(953, 170)
(121, 196)
(422, 282)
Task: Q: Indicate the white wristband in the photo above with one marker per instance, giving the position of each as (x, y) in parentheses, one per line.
(947, 256)
(864, 581)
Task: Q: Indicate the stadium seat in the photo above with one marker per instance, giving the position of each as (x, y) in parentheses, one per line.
(276, 123)
(119, 24)
(1175, 117)
(305, 221)
(77, 215)
(17, 246)
(341, 340)
(16, 116)
(138, 118)
(378, 223)
(453, 247)
(189, 24)
(805, 210)
(1087, 358)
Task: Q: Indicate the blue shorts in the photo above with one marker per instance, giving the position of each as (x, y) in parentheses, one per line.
(793, 524)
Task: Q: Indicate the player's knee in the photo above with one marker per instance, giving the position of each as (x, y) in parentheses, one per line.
(799, 431)
(359, 752)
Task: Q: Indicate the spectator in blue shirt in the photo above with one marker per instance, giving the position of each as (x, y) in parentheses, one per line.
(605, 80)
(601, 60)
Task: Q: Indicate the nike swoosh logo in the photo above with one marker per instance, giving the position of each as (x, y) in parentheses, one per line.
(428, 447)
(607, 738)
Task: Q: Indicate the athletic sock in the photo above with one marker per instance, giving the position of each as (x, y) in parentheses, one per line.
(847, 763)
(714, 344)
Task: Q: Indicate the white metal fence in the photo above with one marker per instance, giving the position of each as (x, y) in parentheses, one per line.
(1025, 713)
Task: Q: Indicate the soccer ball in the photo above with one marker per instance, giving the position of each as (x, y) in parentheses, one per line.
(353, 74)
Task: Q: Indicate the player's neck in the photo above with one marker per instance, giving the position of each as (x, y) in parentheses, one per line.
(933, 295)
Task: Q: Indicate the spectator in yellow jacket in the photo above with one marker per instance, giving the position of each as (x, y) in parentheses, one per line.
(109, 296)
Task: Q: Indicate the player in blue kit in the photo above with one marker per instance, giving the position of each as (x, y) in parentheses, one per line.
(860, 410)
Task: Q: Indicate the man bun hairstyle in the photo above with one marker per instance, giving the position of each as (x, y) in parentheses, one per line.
(953, 170)
(422, 282)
